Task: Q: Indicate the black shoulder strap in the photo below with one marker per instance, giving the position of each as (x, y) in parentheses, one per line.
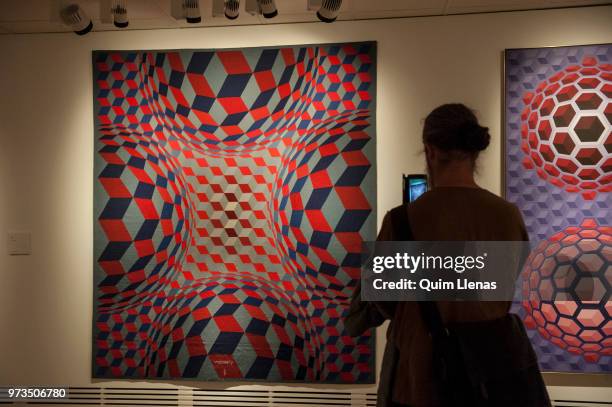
(401, 224)
(432, 319)
(429, 311)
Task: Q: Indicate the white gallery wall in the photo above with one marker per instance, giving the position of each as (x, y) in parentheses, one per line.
(46, 147)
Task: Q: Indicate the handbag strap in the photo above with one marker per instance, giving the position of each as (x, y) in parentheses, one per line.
(401, 224)
(428, 309)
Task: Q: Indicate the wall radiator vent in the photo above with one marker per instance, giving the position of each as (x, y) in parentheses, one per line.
(188, 397)
(192, 397)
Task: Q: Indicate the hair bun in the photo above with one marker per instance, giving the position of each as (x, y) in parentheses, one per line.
(454, 127)
(474, 137)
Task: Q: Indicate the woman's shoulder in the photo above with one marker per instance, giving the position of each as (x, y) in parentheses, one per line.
(498, 201)
(461, 196)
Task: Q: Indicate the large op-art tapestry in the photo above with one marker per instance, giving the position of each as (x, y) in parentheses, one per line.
(233, 190)
(558, 170)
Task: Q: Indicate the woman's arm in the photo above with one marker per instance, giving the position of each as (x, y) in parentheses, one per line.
(364, 315)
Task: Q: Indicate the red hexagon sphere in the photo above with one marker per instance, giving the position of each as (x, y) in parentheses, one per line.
(566, 290)
(566, 131)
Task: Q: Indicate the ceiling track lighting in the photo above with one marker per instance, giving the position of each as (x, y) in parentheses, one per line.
(192, 11)
(119, 12)
(329, 11)
(75, 17)
(232, 9)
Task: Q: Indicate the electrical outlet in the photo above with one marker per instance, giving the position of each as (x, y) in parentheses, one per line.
(19, 243)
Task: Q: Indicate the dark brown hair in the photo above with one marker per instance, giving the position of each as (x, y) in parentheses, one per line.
(454, 128)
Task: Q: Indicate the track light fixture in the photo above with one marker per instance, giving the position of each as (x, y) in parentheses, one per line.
(232, 9)
(76, 18)
(192, 11)
(268, 8)
(119, 12)
(328, 13)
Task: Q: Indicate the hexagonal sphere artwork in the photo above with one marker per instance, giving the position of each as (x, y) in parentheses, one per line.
(566, 290)
(566, 130)
(557, 165)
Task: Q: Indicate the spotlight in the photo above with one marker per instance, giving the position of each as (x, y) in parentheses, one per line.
(329, 10)
(119, 11)
(75, 17)
(192, 11)
(232, 9)
(268, 8)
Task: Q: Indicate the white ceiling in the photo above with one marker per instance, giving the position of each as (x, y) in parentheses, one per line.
(35, 16)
